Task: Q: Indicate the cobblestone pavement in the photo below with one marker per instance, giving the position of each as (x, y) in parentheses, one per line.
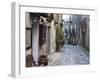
(71, 55)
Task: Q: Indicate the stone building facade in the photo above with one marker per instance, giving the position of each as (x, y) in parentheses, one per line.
(80, 25)
(40, 36)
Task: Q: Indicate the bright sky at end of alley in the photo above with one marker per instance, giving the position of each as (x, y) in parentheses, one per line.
(65, 16)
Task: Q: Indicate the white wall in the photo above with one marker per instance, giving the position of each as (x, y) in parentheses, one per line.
(52, 38)
(5, 41)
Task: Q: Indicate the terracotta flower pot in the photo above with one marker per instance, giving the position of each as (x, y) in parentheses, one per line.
(29, 60)
(43, 60)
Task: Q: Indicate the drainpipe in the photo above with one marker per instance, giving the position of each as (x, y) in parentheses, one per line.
(35, 47)
(35, 39)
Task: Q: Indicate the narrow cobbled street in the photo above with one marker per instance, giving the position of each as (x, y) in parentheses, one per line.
(70, 55)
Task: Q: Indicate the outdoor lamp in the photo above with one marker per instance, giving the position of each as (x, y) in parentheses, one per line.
(34, 18)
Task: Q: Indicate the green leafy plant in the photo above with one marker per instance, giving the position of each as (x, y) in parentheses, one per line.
(59, 38)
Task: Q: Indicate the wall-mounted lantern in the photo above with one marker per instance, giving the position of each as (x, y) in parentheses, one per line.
(34, 18)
